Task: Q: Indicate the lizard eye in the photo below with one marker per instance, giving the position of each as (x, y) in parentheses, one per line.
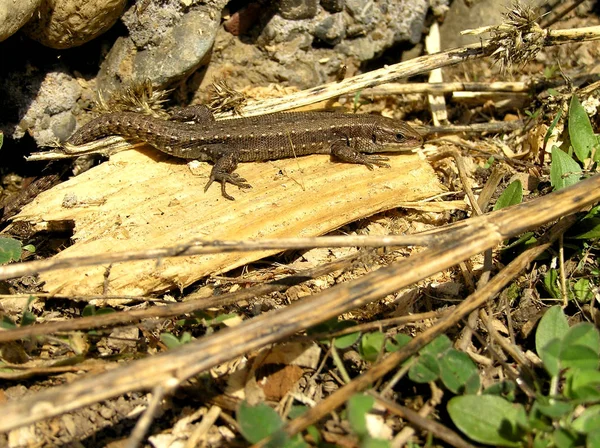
(400, 137)
(374, 138)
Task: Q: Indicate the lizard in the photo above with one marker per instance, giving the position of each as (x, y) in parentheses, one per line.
(193, 133)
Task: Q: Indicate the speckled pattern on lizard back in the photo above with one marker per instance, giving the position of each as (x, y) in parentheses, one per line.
(352, 138)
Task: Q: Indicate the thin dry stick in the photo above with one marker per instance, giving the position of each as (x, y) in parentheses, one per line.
(392, 321)
(561, 271)
(201, 247)
(175, 309)
(404, 70)
(143, 424)
(446, 87)
(200, 433)
(188, 360)
(558, 12)
(449, 87)
(473, 302)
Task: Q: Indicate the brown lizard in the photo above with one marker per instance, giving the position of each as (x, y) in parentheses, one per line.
(352, 138)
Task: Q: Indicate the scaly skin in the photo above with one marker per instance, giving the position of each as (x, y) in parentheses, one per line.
(349, 137)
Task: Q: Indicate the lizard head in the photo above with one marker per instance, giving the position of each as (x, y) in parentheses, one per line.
(395, 136)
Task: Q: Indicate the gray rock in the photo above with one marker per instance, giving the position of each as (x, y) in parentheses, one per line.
(364, 11)
(279, 30)
(15, 14)
(298, 9)
(333, 5)
(169, 49)
(292, 50)
(331, 30)
(49, 116)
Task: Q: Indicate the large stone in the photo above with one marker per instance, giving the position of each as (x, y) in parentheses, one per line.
(70, 23)
(174, 49)
(14, 14)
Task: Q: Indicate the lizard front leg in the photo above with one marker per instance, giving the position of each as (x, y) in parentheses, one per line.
(222, 172)
(352, 154)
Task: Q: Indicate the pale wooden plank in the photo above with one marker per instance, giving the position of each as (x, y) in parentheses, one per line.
(143, 199)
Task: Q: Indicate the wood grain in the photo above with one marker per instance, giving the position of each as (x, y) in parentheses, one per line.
(142, 199)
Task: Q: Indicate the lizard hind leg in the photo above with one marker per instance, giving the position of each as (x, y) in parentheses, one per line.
(222, 172)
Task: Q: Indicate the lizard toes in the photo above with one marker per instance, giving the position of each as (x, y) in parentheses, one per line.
(209, 183)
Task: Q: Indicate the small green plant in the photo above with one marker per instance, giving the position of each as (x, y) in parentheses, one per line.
(172, 341)
(438, 360)
(334, 326)
(564, 169)
(512, 195)
(260, 421)
(10, 250)
(568, 415)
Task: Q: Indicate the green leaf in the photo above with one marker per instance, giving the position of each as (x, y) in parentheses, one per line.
(553, 325)
(10, 250)
(582, 289)
(578, 357)
(296, 411)
(588, 421)
(550, 283)
(1, 139)
(29, 248)
(438, 346)
(527, 237)
(257, 422)
(28, 318)
(170, 340)
(554, 408)
(219, 319)
(550, 356)
(371, 442)
(358, 407)
(564, 439)
(371, 345)
(580, 130)
(346, 340)
(488, 419)
(7, 323)
(324, 327)
(564, 171)
(425, 369)
(593, 439)
(542, 440)
(585, 334)
(506, 389)
(457, 370)
(281, 439)
(400, 340)
(551, 127)
(587, 229)
(512, 195)
(583, 385)
(186, 337)
(314, 433)
(104, 310)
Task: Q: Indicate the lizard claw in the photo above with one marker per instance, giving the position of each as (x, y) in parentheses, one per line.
(224, 178)
(373, 159)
